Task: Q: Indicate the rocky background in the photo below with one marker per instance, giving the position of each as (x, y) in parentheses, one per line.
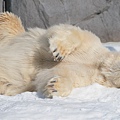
(100, 16)
(1, 5)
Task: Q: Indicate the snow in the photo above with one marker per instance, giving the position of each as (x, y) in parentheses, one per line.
(94, 102)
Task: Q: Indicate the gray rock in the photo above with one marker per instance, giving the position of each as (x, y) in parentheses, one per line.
(99, 16)
(1, 5)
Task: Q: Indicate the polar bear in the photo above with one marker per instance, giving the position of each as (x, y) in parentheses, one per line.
(52, 61)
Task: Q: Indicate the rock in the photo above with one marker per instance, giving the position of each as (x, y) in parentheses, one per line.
(1, 5)
(99, 16)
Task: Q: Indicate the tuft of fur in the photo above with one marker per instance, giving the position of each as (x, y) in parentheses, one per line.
(10, 27)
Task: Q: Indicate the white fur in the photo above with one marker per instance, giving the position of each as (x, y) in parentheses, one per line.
(54, 61)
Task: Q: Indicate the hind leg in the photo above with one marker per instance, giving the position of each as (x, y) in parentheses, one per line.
(58, 86)
(52, 83)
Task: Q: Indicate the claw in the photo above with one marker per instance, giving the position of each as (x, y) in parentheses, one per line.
(53, 81)
(59, 58)
(54, 91)
(57, 55)
(55, 50)
(51, 85)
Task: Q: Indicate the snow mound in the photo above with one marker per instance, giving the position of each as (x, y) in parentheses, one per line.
(93, 102)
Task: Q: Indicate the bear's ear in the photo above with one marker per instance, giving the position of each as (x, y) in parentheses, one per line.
(63, 40)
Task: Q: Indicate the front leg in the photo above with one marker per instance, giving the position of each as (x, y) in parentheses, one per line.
(63, 40)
